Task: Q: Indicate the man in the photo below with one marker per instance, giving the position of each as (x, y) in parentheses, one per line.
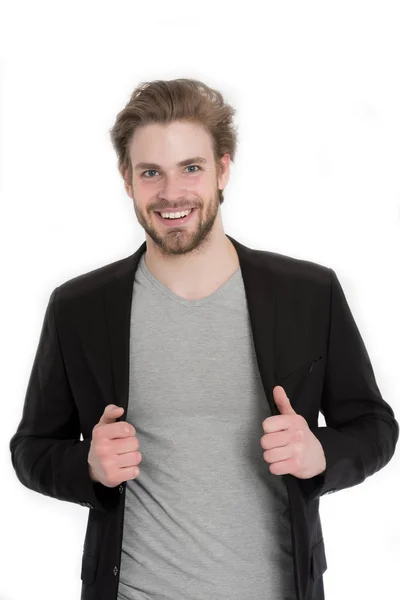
(195, 370)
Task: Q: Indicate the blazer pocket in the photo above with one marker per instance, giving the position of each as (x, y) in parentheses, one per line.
(89, 567)
(294, 380)
(318, 560)
(307, 367)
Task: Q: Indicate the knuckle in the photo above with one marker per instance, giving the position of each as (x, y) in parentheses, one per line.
(106, 465)
(102, 450)
(100, 431)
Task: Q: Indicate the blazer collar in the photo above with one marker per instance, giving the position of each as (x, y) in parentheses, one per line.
(260, 288)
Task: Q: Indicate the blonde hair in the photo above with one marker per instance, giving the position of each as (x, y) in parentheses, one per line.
(175, 100)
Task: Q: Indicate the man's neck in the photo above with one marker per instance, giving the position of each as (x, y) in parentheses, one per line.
(196, 276)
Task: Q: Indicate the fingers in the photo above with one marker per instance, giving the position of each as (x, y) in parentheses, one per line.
(128, 459)
(113, 431)
(121, 446)
(278, 454)
(275, 440)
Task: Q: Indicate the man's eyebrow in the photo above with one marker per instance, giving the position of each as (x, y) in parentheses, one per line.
(182, 163)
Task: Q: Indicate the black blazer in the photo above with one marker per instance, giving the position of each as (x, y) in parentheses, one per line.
(305, 339)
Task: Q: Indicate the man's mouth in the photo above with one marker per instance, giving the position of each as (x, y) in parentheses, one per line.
(178, 220)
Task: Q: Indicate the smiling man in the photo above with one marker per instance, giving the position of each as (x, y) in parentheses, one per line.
(195, 370)
(177, 202)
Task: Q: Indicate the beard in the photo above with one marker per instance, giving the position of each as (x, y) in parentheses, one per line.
(183, 239)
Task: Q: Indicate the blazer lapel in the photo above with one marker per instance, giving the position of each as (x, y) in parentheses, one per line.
(118, 300)
(260, 291)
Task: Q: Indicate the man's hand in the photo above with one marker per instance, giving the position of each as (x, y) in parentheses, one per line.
(113, 454)
(290, 447)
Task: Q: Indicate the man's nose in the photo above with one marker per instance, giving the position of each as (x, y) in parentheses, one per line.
(172, 189)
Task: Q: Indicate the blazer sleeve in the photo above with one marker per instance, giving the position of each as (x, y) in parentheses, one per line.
(46, 451)
(361, 431)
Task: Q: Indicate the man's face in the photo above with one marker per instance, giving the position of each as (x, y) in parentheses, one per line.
(161, 185)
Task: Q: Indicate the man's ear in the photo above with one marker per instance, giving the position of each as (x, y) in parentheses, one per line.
(223, 171)
(125, 173)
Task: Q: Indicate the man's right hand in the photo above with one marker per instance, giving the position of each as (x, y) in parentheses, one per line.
(113, 456)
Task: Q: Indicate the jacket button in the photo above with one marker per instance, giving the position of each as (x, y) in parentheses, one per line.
(121, 489)
(115, 570)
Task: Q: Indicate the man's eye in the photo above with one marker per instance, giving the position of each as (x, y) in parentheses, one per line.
(149, 171)
(154, 171)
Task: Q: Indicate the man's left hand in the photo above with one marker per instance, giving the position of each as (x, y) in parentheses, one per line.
(289, 444)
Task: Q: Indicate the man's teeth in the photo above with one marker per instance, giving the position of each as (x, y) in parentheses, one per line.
(177, 215)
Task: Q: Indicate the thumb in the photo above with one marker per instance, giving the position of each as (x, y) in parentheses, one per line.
(282, 401)
(110, 414)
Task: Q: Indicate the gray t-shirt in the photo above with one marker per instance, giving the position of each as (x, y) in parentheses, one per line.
(205, 519)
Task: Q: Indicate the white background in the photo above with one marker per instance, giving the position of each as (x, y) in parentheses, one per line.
(316, 87)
